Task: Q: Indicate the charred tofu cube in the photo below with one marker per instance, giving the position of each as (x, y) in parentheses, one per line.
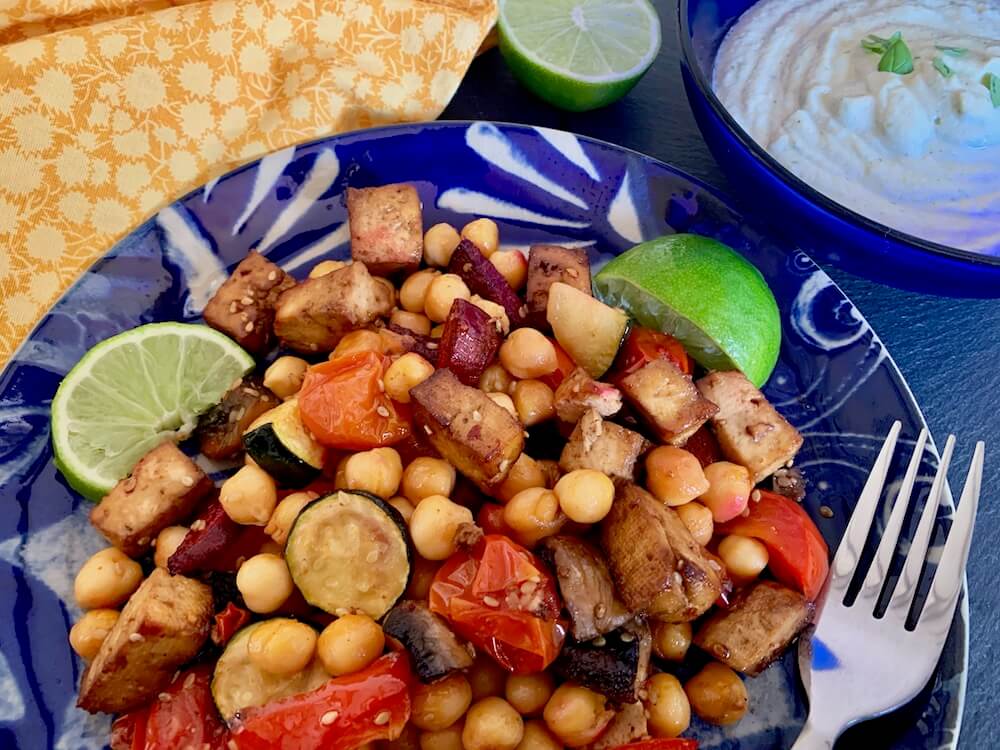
(579, 393)
(164, 487)
(162, 626)
(749, 430)
(480, 438)
(628, 725)
(604, 446)
(316, 314)
(668, 400)
(243, 308)
(387, 232)
(756, 629)
(548, 264)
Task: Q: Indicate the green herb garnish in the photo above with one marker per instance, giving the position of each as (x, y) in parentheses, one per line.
(879, 44)
(897, 58)
(942, 67)
(992, 82)
(953, 51)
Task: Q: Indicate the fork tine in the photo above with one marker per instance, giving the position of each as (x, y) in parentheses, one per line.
(887, 546)
(909, 578)
(940, 606)
(853, 541)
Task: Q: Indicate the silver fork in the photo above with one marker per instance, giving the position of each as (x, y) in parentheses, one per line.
(858, 664)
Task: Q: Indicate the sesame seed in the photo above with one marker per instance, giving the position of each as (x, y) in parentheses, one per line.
(328, 718)
(249, 291)
(381, 386)
(144, 541)
(233, 307)
(164, 697)
(198, 525)
(432, 345)
(476, 416)
(599, 641)
(247, 300)
(272, 276)
(371, 556)
(627, 637)
(755, 496)
(428, 430)
(244, 317)
(383, 718)
(826, 511)
(136, 637)
(248, 327)
(187, 481)
(489, 601)
(382, 411)
(504, 464)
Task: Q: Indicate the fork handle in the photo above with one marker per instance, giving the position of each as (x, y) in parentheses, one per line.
(813, 737)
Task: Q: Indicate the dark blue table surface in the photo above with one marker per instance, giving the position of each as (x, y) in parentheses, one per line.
(946, 348)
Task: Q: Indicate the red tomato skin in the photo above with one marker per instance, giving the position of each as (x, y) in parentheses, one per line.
(490, 519)
(227, 622)
(642, 346)
(676, 743)
(703, 445)
(355, 707)
(564, 366)
(481, 593)
(798, 553)
(343, 406)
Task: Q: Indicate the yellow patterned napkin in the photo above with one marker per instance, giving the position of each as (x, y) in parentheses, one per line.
(110, 109)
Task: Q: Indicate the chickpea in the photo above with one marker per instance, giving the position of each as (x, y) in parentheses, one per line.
(359, 341)
(409, 739)
(249, 496)
(349, 644)
(745, 558)
(717, 694)
(524, 474)
(698, 520)
(576, 715)
(495, 311)
(326, 266)
(667, 706)
(534, 514)
(443, 291)
(107, 579)
(444, 739)
(271, 547)
(729, 487)
(405, 373)
(411, 321)
(264, 582)
(440, 242)
(285, 514)
(674, 476)
(282, 646)
(484, 234)
(434, 524)
(167, 542)
(512, 265)
(502, 399)
(496, 379)
(538, 737)
(426, 476)
(404, 506)
(528, 354)
(492, 724)
(585, 495)
(285, 375)
(413, 293)
(671, 640)
(534, 401)
(486, 677)
(439, 705)
(529, 693)
(377, 471)
(87, 635)
(422, 577)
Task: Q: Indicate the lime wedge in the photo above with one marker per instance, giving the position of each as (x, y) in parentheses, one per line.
(704, 294)
(133, 391)
(579, 54)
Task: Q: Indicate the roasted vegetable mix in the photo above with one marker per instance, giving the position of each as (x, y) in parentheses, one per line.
(477, 507)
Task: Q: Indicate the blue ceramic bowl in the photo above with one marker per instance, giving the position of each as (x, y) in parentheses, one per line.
(822, 227)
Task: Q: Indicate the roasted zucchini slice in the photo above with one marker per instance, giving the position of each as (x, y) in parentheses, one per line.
(350, 552)
(283, 447)
(238, 683)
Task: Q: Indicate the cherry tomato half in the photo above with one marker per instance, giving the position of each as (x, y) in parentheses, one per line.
(343, 406)
(642, 346)
(499, 596)
(564, 366)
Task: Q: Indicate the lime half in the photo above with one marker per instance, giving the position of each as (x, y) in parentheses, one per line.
(703, 293)
(133, 391)
(579, 54)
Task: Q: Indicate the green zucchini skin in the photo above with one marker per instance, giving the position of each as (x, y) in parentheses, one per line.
(313, 570)
(264, 446)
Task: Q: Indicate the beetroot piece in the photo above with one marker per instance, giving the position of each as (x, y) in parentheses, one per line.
(484, 279)
(469, 343)
(211, 538)
(425, 346)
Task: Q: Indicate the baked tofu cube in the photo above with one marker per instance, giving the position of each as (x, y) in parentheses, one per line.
(628, 725)
(162, 626)
(317, 313)
(548, 264)
(668, 400)
(749, 430)
(480, 438)
(243, 308)
(578, 393)
(387, 232)
(164, 487)
(757, 629)
(604, 446)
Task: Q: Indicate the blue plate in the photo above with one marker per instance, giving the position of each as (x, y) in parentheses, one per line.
(834, 381)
